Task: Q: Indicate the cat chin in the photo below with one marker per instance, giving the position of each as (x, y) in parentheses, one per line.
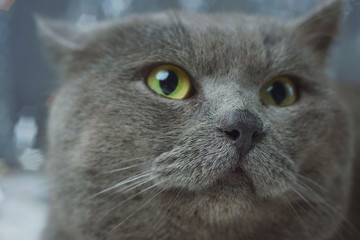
(226, 211)
(233, 178)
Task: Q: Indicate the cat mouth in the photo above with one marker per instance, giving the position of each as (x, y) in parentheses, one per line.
(234, 177)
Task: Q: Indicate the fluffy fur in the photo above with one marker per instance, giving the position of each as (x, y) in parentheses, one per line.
(126, 163)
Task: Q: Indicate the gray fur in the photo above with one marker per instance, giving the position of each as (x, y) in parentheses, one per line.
(295, 181)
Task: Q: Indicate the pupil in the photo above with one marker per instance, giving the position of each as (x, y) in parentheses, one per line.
(168, 81)
(278, 92)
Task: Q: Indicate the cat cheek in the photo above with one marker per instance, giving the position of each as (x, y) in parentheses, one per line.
(277, 171)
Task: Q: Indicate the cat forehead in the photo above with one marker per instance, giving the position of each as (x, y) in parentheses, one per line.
(219, 26)
(209, 42)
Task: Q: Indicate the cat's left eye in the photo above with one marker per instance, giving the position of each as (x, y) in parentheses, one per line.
(169, 81)
(279, 92)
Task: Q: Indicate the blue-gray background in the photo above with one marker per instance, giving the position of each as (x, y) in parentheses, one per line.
(26, 82)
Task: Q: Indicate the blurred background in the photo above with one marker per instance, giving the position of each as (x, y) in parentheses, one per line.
(27, 81)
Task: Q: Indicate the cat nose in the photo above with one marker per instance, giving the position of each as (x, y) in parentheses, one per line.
(242, 128)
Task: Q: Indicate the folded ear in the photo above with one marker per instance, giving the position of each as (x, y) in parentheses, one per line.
(318, 29)
(60, 38)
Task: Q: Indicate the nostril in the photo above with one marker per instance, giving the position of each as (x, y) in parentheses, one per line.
(254, 135)
(234, 134)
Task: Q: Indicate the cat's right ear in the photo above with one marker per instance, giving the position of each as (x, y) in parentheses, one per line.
(318, 29)
(61, 39)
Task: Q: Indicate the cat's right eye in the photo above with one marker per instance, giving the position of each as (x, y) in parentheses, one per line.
(279, 92)
(169, 81)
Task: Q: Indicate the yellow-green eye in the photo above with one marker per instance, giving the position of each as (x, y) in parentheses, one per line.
(169, 81)
(279, 92)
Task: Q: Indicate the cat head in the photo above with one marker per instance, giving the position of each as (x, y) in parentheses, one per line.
(255, 113)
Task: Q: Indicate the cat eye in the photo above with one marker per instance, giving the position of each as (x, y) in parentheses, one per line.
(169, 81)
(279, 92)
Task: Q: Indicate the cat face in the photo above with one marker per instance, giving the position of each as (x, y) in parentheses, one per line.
(223, 144)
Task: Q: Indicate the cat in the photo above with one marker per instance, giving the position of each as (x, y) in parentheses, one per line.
(200, 126)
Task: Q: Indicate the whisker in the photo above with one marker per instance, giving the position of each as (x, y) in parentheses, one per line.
(128, 199)
(317, 198)
(133, 159)
(329, 209)
(320, 212)
(170, 205)
(326, 211)
(302, 196)
(126, 168)
(292, 209)
(141, 207)
(313, 183)
(133, 186)
(128, 180)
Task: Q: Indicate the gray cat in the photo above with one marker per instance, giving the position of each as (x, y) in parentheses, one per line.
(200, 126)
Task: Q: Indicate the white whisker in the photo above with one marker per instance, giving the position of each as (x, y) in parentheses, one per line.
(133, 186)
(170, 205)
(327, 208)
(128, 199)
(302, 197)
(141, 207)
(312, 182)
(136, 177)
(292, 209)
(133, 159)
(126, 168)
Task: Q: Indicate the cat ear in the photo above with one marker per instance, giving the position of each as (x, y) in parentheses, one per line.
(60, 38)
(319, 28)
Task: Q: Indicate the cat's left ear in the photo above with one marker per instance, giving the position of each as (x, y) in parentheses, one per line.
(318, 29)
(61, 39)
